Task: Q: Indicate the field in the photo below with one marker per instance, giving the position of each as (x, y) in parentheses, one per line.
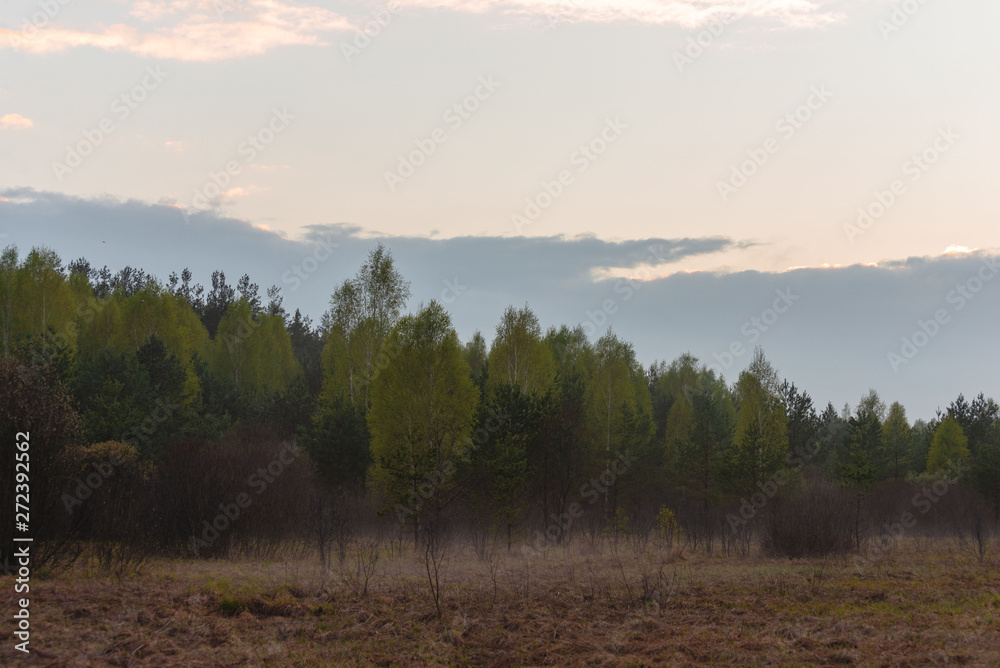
(917, 604)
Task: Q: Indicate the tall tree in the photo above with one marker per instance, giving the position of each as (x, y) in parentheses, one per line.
(616, 384)
(949, 448)
(421, 415)
(760, 441)
(511, 420)
(363, 311)
(898, 439)
(475, 355)
(518, 356)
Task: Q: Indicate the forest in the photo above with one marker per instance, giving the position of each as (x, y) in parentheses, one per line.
(167, 418)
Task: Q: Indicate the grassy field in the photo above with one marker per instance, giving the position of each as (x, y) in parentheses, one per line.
(916, 605)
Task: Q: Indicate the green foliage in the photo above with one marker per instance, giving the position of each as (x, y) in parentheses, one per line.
(668, 529)
(138, 397)
(518, 356)
(475, 356)
(255, 353)
(337, 440)
(949, 449)
(760, 441)
(615, 383)
(509, 421)
(363, 311)
(898, 439)
(423, 407)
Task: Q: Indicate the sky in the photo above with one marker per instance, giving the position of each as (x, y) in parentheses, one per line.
(697, 155)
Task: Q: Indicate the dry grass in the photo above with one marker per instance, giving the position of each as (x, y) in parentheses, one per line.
(599, 607)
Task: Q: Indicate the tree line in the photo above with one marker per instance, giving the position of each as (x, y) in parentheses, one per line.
(537, 433)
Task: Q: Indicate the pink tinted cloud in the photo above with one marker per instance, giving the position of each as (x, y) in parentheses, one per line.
(15, 122)
(193, 30)
(686, 13)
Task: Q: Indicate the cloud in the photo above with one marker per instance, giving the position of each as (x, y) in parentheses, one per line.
(685, 13)
(192, 30)
(15, 122)
(833, 341)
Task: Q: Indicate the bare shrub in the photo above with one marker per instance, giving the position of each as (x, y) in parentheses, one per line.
(367, 552)
(813, 521)
(116, 514)
(435, 545)
(36, 411)
(262, 480)
(973, 528)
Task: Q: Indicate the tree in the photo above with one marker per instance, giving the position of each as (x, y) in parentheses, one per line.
(714, 418)
(45, 298)
(499, 465)
(35, 408)
(949, 449)
(217, 302)
(307, 346)
(363, 310)
(615, 384)
(421, 416)
(871, 405)
(518, 357)
(976, 419)
(570, 350)
(475, 356)
(562, 455)
(898, 439)
(338, 441)
(254, 353)
(831, 435)
(801, 417)
(8, 278)
(985, 472)
(760, 441)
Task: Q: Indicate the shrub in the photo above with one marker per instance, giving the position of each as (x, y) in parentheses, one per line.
(814, 520)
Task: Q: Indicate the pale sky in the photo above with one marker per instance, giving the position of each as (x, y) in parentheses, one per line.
(767, 124)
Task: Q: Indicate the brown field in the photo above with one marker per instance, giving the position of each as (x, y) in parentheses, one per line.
(920, 604)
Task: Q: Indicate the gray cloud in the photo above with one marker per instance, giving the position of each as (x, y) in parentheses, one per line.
(833, 338)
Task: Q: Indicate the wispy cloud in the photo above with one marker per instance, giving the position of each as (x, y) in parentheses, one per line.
(15, 122)
(686, 13)
(192, 30)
